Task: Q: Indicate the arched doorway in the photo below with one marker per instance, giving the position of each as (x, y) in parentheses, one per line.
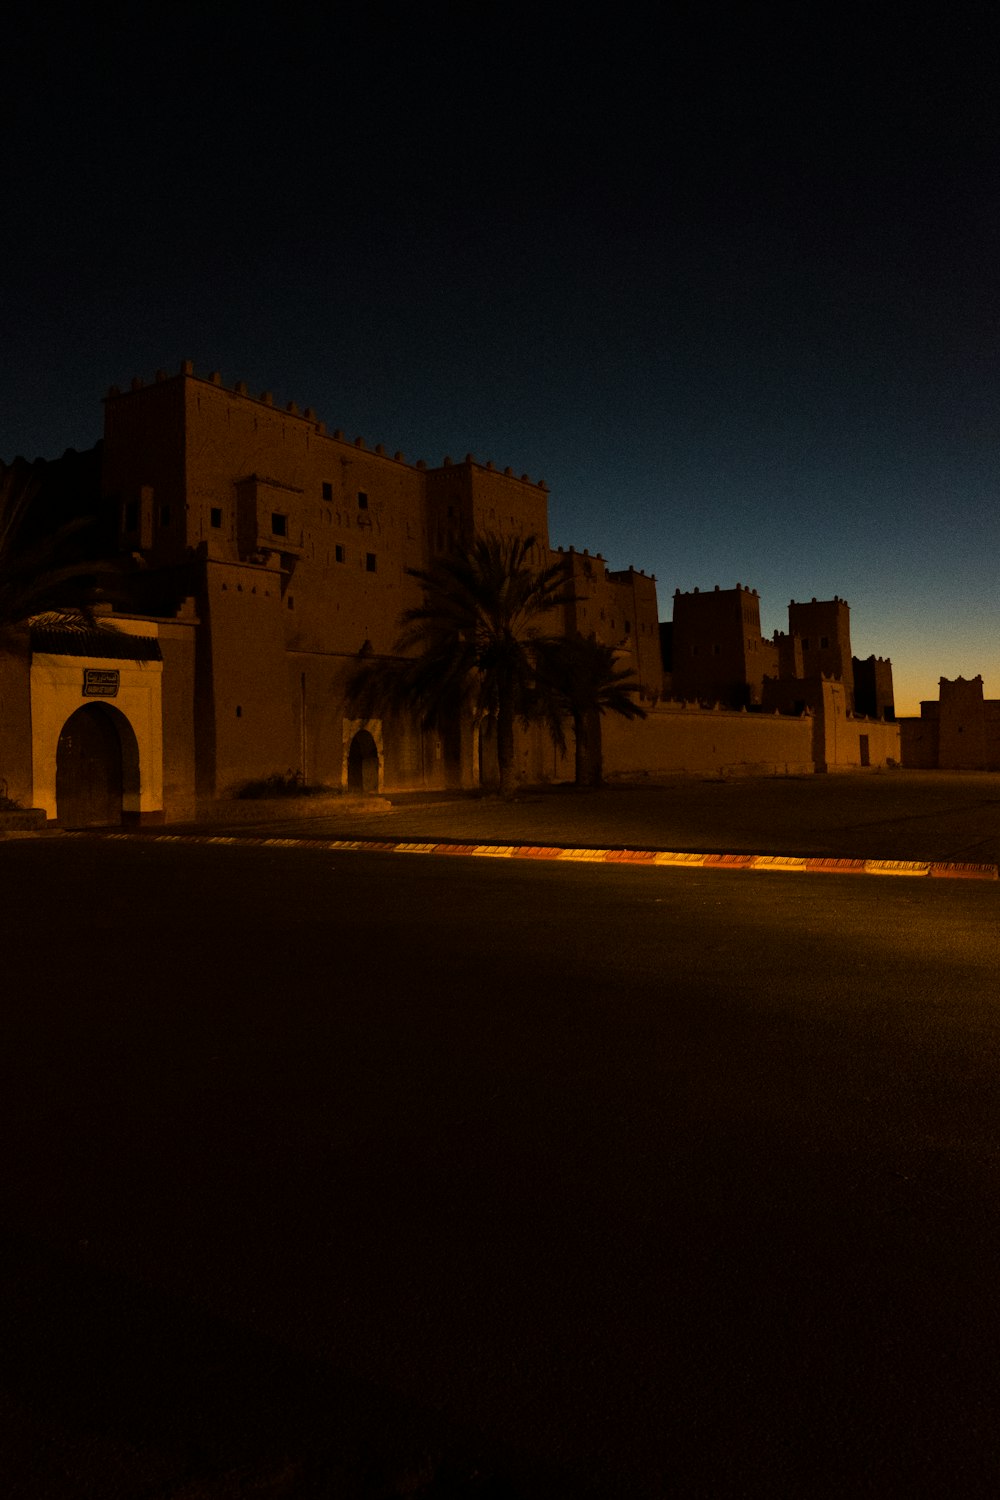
(362, 763)
(97, 764)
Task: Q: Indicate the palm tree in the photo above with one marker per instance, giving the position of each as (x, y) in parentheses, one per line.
(581, 680)
(42, 572)
(474, 643)
(46, 570)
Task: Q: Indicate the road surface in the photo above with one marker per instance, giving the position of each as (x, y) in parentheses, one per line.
(337, 1174)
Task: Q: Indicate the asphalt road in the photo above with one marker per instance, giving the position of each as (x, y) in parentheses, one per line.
(347, 1174)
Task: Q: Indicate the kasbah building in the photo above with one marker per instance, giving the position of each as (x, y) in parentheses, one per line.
(268, 554)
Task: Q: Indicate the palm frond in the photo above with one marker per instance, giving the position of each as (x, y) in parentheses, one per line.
(473, 643)
(40, 572)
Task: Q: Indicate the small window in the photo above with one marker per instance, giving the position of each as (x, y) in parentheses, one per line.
(338, 553)
(279, 524)
(327, 490)
(362, 500)
(291, 602)
(131, 515)
(164, 515)
(215, 516)
(628, 627)
(370, 561)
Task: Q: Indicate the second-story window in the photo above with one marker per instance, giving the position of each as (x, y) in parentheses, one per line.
(327, 490)
(279, 524)
(215, 516)
(370, 561)
(362, 500)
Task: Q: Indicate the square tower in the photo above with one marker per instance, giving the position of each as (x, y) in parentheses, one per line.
(824, 628)
(718, 654)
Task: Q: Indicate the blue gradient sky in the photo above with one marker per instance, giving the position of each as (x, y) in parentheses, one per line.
(728, 286)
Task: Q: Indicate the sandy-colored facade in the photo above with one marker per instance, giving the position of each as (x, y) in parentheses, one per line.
(718, 661)
(957, 731)
(268, 554)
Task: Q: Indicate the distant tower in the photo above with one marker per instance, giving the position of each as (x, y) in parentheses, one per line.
(873, 695)
(717, 652)
(824, 626)
(962, 742)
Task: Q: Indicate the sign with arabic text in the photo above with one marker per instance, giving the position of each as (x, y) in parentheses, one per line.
(100, 682)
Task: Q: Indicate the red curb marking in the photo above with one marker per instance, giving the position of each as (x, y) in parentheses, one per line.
(779, 862)
(941, 869)
(837, 866)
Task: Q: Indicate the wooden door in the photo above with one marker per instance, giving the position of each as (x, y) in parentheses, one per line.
(89, 770)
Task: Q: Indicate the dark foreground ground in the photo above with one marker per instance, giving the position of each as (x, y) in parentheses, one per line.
(344, 1174)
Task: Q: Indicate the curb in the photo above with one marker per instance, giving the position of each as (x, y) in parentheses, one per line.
(776, 863)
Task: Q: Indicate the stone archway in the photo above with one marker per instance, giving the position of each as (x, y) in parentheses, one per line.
(97, 767)
(362, 763)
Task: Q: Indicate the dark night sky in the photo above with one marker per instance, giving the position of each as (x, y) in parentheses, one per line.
(725, 279)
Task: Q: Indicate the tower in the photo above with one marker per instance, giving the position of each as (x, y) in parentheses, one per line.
(824, 627)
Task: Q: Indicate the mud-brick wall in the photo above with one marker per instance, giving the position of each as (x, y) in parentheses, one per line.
(679, 738)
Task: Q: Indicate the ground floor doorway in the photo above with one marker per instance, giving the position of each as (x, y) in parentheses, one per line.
(362, 763)
(97, 762)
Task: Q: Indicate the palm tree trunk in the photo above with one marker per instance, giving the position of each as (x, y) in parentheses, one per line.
(595, 744)
(505, 742)
(581, 757)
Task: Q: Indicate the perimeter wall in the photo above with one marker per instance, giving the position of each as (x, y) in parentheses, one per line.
(678, 737)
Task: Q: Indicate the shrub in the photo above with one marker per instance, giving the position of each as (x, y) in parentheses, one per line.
(281, 784)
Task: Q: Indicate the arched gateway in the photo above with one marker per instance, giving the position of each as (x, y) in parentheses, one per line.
(97, 764)
(362, 763)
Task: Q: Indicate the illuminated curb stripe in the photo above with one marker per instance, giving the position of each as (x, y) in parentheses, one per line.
(945, 870)
(896, 867)
(807, 864)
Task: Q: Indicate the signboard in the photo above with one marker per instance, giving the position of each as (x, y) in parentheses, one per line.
(100, 682)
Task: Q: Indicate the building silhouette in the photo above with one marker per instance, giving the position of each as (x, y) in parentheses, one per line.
(959, 731)
(265, 556)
